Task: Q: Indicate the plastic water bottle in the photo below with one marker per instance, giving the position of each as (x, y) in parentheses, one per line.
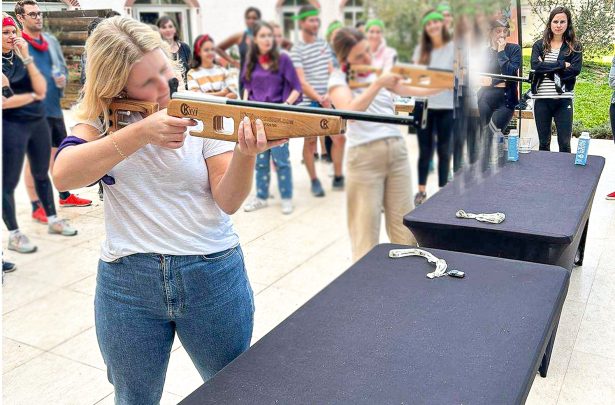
(497, 147)
(582, 149)
(56, 72)
(513, 145)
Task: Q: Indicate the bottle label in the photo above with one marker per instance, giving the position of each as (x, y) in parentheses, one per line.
(581, 156)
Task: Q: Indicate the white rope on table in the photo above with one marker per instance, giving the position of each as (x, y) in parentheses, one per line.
(495, 218)
(441, 265)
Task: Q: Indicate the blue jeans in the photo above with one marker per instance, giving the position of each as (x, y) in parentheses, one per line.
(280, 155)
(143, 299)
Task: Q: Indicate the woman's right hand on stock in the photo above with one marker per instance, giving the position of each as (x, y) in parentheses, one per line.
(163, 130)
(389, 80)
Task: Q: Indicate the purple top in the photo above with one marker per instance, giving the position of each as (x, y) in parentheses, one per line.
(273, 87)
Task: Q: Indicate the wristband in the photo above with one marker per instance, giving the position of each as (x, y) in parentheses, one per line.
(27, 61)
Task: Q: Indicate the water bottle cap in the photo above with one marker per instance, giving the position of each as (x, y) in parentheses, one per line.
(585, 134)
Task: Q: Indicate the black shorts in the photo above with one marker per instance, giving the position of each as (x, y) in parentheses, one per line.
(57, 129)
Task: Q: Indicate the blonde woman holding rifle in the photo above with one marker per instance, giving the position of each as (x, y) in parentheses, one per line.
(171, 262)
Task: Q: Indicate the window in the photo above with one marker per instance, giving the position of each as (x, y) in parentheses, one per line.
(290, 27)
(159, 2)
(354, 11)
(523, 20)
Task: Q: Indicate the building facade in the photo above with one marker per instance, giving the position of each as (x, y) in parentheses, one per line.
(218, 18)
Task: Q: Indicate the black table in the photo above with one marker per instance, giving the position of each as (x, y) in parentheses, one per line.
(547, 200)
(383, 333)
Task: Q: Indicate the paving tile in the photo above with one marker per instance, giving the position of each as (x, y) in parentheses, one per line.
(589, 380)
(15, 353)
(82, 348)
(62, 268)
(51, 320)
(18, 291)
(51, 379)
(182, 377)
(597, 332)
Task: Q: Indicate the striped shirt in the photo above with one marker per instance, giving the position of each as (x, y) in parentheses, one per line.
(547, 86)
(207, 80)
(314, 59)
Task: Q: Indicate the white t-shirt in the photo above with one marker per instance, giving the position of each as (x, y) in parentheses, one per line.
(360, 132)
(161, 202)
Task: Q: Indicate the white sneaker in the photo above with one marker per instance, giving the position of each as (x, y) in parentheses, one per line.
(255, 204)
(61, 227)
(287, 206)
(20, 243)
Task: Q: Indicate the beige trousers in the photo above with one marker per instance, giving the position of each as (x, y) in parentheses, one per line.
(378, 179)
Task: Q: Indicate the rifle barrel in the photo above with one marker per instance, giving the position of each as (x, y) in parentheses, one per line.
(506, 77)
(345, 114)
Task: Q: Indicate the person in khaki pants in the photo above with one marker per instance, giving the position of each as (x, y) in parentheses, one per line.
(378, 176)
(378, 170)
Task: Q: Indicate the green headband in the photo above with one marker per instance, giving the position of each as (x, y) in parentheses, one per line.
(443, 7)
(332, 27)
(433, 16)
(306, 14)
(373, 22)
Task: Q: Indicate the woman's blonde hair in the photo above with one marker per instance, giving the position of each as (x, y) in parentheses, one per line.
(4, 15)
(113, 48)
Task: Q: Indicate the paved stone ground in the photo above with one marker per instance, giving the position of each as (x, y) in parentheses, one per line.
(50, 354)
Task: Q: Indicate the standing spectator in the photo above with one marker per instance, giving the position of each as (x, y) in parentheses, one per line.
(312, 59)
(557, 59)
(25, 131)
(7, 267)
(611, 196)
(445, 10)
(242, 40)
(269, 76)
(383, 56)
(435, 50)
(283, 44)
(206, 76)
(179, 50)
(497, 98)
(360, 25)
(49, 59)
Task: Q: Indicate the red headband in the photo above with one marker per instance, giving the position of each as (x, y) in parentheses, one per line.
(6, 21)
(197, 46)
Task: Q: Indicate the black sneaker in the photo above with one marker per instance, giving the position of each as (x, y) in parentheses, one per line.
(420, 198)
(8, 267)
(338, 183)
(317, 190)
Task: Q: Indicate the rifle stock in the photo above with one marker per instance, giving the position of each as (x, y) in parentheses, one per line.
(413, 75)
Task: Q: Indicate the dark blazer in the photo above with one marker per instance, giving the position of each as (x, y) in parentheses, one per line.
(564, 78)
